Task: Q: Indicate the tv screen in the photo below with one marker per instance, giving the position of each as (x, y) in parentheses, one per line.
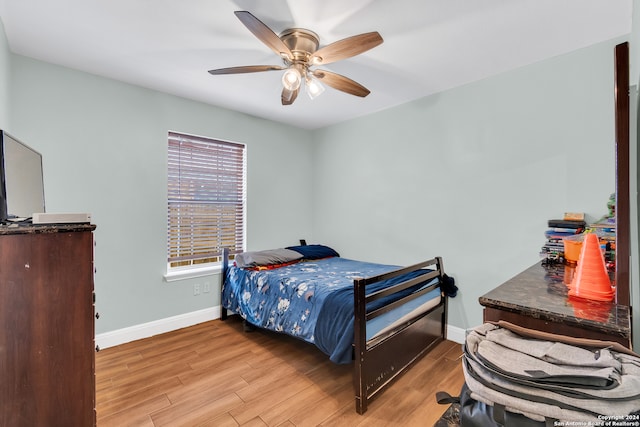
(21, 181)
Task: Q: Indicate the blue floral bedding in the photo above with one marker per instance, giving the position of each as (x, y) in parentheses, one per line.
(311, 300)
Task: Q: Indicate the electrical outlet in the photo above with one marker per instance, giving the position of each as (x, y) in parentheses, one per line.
(207, 287)
(196, 289)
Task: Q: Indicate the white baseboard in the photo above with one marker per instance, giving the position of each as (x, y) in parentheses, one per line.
(456, 334)
(146, 330)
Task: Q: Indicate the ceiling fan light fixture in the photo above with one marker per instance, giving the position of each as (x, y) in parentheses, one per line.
(291, 79)
(287, 95)
(298, 48)
(313, 87)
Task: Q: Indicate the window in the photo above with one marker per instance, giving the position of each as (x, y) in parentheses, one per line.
(206, 200)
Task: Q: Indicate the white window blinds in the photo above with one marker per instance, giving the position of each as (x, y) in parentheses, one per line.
(206, 199)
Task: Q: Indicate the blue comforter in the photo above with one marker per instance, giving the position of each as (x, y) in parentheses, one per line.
(312, 301)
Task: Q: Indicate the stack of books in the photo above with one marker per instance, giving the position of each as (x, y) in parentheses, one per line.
(570, 225)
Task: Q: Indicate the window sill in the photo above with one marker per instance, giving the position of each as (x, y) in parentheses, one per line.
(190, 273)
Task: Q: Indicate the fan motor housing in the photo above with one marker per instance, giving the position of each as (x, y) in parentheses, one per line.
(301, 42)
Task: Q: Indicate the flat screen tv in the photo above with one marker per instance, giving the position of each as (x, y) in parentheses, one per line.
(21, 181)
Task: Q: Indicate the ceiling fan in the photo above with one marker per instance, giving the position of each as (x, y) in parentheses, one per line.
(298, 49)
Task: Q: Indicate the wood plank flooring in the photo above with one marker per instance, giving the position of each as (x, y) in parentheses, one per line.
(215, 374)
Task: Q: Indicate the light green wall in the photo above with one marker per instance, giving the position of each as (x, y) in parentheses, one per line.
(472, 174)
(104, 149)
(634, 41)
(497, 159)
(4, 80)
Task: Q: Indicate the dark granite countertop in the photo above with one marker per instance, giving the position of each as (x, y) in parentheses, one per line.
(44, 228)
(541, 292)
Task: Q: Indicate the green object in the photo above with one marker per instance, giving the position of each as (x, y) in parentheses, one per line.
(611, 205)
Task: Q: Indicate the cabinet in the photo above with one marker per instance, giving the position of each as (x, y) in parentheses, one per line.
(537, 299)
(47, 353)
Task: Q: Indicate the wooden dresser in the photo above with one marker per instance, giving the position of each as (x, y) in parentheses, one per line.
(47, 352)
(537, 299)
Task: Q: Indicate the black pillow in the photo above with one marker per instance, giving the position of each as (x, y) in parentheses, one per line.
(314, 251)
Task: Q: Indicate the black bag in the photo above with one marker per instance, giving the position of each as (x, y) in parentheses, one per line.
(472, 413)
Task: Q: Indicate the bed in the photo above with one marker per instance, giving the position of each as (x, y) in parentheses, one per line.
(383, 318)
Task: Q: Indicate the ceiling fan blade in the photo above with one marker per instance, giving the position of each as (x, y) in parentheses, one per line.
(288, 96)
(264, 33)
(341, 83)
(346, 48)
(246, 69)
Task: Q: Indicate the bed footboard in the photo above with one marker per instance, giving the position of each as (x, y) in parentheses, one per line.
(379, 361)
(384, 356)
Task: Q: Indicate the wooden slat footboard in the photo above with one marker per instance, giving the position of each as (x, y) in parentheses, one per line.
(378, 362)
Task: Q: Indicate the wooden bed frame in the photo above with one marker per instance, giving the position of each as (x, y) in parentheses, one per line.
(378, 362)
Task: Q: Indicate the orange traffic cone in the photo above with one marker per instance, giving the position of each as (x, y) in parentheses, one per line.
(591, 280)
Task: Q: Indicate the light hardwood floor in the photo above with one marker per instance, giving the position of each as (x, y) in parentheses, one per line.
(214, 374)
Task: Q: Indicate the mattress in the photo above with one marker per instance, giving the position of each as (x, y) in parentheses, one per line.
(313, 301)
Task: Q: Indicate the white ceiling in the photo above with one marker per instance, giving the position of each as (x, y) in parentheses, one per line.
(429, 45)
